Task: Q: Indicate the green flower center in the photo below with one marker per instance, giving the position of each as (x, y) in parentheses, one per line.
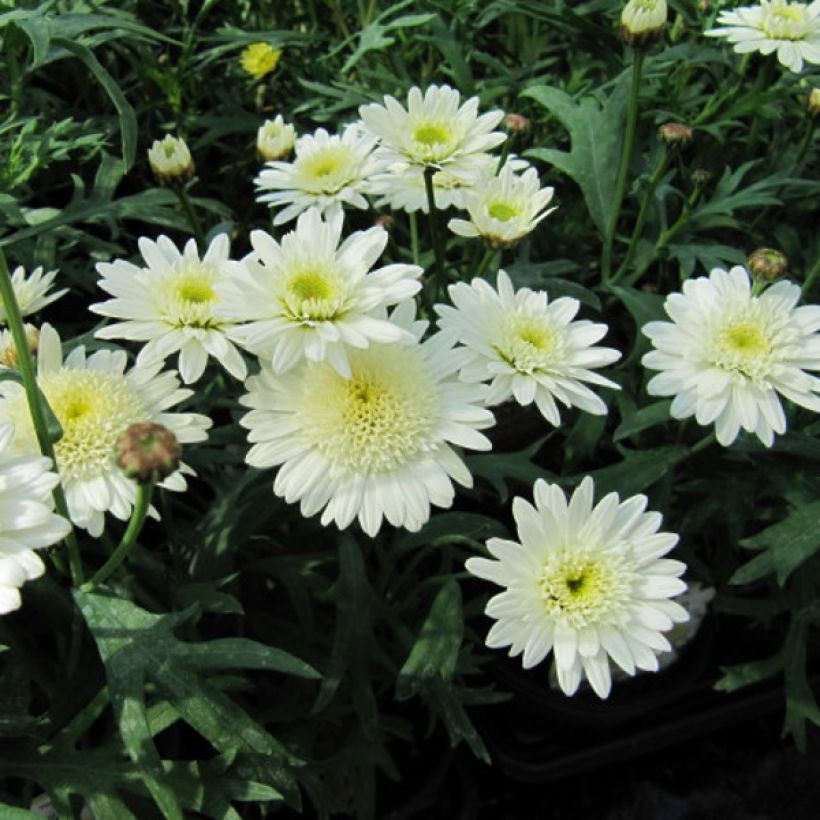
(431, 134)
(785, 21)
(502, 211)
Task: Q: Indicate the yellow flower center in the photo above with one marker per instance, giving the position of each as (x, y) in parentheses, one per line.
(376, 421)
(744, 347)
(785, 21)
(313, 295)
(186, 296)
(327, 170)
(529, 343)
(503, 211)
(433, 141)
(431, 134)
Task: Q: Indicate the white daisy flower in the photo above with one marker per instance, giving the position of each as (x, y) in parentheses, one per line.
(790, 29)
(170, 304)
(527, 346)
(727, 353)
(310, 298)
(170, 160)
(327, 172)
(31, 291)
(434, 130)
(275, 139)
(587, 583)
(376, 445)
(402, 186)
(27, 522)
(95, 400)
(505, 208)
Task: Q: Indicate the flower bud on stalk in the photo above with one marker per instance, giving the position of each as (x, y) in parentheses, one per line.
(275, 140)
(515, 124)
(643, 22)
(675, 133)
(813, 102)
(767, 264)
(147, 452)
(8, 352)
(171, 161)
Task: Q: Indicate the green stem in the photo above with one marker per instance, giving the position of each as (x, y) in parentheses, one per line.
(138, 516)
(702, 444)
(804, 147)
(193, 221)
(489, 254)
(25, 365)
(414, 237)
(505, 153)
(639, 223)
(811, 276)
(623, 168)
(435, 236)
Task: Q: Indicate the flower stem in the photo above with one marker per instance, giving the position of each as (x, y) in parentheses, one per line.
(623, 168)
(132, 531)
(414, 237)
(193, 220)
(811, 276)
(435, 237)
(25, 365)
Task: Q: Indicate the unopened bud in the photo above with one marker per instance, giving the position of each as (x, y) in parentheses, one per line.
(643, 22)
(383, 221)
(516, 124)
(813, 102)
(705, 6)
(147, 452)
(171, 161)
(8, 351)
(767, 264)
(274, 140)
(700, 176)
(675, 133)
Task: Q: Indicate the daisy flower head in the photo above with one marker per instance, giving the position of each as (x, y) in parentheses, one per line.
(327, 172)
(505, 208)
(96, 400)
(587, 583)
(434, 130)
(376, 445)
(310, 298)
(171, 304)
(170, 160)
(31, 291)
(727, 353)
(27, 522)
(788, 28)
(275, 139)
(259, 59)
(528, 347)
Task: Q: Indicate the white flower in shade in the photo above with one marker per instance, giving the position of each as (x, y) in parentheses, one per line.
(171, 304)
(727, 353)
(326, 172)
(434, 130)
(95, 400)
(275, 139)
(587, 583)
(31, 291)
(790, 29)
(402, 187)
(27, 522)
(505, 208)
(527, 346)
(8, 350)
(376, 445)
(310, 298)
(170, 160)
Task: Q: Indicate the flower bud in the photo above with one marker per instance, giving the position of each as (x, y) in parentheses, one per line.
(171, 161)
(705, 6)
(643, 22)
(147, 452)
(675, 133)
(274, 140)
(8, 352)
(383, 221)
(516, 124)
(813, 102)
(767, 264)
(700, 176)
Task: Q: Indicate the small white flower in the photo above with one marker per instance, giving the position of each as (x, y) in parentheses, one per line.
(309, 298)
(170, 160)
(8, 350)
(27, 522)
(505, 208)
(95, 400)
(434, 130)
(643, 21)
(727, 353)
(275, 139)
(528, 346)
(327, 172)
(31, 292)
(790, 29)
(171, 305)
(376, 445)
(587, 583)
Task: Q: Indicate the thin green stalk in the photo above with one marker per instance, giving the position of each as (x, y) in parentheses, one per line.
(639, 223)
(811, 276)
(193, 220)
(25, 365)
(804, 146)
(435, 236)
(132, 531)
(702, 444)
(414, 238)
(623, 167)
(505, 153)
(489, 254)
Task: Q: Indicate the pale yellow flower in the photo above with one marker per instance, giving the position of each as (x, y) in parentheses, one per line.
(259, 59)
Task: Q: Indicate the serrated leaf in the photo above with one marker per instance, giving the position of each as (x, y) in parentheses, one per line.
(747, 674)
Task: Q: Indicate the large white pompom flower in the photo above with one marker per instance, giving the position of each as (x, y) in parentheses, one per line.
(727, 353)
(528, 347)
(170, 304)
(27, 522)
(95, 400)
(376, 445)
(585, 583)
(309, 298)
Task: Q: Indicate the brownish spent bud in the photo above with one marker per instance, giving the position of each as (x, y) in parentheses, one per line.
(383, 221)
(516, 124)
(768, 264)
(700, 176)
(675, 133)
(147, 452)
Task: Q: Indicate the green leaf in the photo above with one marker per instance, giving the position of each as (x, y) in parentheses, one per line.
(643, 419)
(639, 470)
(14, 813)
(801, 704)
(746, 674)
(443, 526)
(500, 468)
(241, 653)
(595, 129)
